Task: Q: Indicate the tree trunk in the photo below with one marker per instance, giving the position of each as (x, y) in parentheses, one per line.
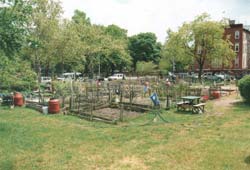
(47, 69)
(134, 66)
(201, 63)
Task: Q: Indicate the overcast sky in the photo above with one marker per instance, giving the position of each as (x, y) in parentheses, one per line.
(156, 15)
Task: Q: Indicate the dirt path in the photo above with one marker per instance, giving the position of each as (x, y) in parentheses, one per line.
(220, 106)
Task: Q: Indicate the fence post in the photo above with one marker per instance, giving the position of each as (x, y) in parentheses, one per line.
(92, 102)
(121, 112)
(79, 100)
(109, 94)
(121, 92)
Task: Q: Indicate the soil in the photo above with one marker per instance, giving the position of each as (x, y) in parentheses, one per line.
(225, 103)
(111, 113)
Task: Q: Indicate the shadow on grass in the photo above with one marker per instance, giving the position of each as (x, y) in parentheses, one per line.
(185, 112)
(241, 106)
(7, 164)
(247, 160)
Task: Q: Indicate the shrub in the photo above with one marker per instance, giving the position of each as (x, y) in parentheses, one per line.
(16, 75)
(244, 88)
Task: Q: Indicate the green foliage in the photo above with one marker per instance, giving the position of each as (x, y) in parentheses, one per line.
(106, 49)
(200, 41)
(80, 17)
(45, 32)
(14, 18)
(144, 68)
(244, 86)
(144, 47)
(116, 32)
(62, 88)
(16, 75)
(174, 55)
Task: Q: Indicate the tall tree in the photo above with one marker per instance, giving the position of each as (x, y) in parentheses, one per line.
(70, 48)
(106, 51)
(16, 74)
(144, 47)
(14, 18)
(202, 41)
(44, 34)
(80, 18)
(174, 56)
(116, 32)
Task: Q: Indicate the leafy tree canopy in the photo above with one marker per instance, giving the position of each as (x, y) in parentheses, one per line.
(144, 47)
(14, 18)
(200, 41)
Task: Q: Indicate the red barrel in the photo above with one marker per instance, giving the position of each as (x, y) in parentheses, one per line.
(216, 94)
(54, 106)
(18, 99)
(205, 98)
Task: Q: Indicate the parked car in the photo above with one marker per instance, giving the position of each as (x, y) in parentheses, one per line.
(194, 75)
(211, 76)
(222, 76)
(117, 76)
(70, 76)
(100, 78)
(46, 80)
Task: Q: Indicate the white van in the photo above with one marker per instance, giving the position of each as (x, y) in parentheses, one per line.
(118, 76)
(46, 80)
(70, 76)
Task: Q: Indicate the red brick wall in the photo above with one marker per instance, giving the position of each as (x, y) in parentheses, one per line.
(229, 32)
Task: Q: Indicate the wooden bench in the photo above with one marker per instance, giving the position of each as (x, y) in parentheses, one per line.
(182, 105)
(199, 108)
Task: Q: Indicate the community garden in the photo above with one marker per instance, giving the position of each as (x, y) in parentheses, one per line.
(161, 110)
(216, 139)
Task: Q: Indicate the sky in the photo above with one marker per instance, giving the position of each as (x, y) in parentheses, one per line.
(156, 16)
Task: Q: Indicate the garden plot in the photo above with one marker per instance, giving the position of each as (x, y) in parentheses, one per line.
(114, 113)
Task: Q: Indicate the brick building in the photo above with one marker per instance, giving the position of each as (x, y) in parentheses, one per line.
(239, 35)
(240, 38)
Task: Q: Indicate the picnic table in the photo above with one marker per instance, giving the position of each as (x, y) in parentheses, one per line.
(191, 103)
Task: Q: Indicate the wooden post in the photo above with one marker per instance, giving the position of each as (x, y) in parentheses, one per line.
(167, 104)
(121, 112)
(109, 94)
(130, 96)
(79, 100)
(92, 103)
(87, 91)
(121, 92)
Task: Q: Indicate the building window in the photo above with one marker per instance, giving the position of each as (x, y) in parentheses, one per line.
(237, 34)
(237, 47)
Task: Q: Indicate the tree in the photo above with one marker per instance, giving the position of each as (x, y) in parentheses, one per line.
(116, 32)
(14, 18)
(202, 41)
(144, 47)
(80, 18)
(16, 74)
(105, 50)
(44, 33)
(69, 48)
(174, 55)
(143, 67)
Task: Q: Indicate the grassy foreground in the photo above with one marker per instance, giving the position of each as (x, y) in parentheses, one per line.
(29, 140)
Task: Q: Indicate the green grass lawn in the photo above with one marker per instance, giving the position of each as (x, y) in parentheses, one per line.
(29, 140)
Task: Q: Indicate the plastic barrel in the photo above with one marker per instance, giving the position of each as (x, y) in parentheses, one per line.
(54, 106)
(18, 99)
(216, 94)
